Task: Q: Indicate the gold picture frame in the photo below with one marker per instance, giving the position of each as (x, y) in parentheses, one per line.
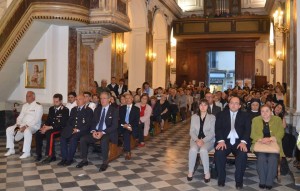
(35, 76)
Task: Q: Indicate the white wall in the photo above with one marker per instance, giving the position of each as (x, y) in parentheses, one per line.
(53, 46)
(102, 61)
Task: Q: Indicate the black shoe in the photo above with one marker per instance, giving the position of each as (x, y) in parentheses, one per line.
(268, 187)
(62, 162)
(262, 186)
(48, 160)
(221, 184)
(239, 186)
(103, 167)
(189, 178)
(68, 162)
(206, 180)
(82, 163)
(38, 158)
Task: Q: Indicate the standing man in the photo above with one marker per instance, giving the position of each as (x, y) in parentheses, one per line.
(78, 126)
(113, 86)
(57, 119)
(28, 122)
(212, 108)
(232, 131)
(129, 120)
(88, 100)
(104, 127)
(122, 88)
(71, 101)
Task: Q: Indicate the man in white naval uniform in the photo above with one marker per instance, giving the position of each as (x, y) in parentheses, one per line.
(28, 122)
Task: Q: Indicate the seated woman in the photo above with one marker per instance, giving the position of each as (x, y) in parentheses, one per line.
(202, 132)
(144, 124)
(164, 112)
(263, 127)
(254, 108)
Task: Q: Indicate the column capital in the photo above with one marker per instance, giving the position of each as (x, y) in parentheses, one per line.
(92, 36)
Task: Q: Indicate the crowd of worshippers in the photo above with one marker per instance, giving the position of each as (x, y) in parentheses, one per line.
(112, 113)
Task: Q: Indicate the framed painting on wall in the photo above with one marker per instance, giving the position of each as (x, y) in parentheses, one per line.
(35, 74)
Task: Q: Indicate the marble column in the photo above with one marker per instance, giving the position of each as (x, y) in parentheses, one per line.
(83, 42)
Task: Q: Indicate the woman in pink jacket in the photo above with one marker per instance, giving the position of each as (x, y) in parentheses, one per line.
(145, 113)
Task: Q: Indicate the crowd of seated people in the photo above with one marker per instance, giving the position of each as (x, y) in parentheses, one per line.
(219, 120)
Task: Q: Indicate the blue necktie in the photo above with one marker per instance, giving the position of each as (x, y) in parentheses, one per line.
(100, 126)
(127, 115)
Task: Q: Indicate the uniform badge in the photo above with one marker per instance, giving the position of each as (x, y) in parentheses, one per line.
(83, 121)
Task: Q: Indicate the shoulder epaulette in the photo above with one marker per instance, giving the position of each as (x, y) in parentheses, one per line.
(38, 103)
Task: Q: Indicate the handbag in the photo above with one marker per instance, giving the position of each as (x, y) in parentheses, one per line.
(272, 147)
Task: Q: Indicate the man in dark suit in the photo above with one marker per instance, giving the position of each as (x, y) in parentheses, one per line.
(122, 88)
(113, 86)
(232, 130)
(104, 127)
(57, 119)
(212, 108)
(129, 120)
(78, 126)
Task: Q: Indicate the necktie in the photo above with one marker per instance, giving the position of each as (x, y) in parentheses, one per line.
(233, 135)
(100, 126)
(78, 109)
(56, 109)
(127, 115)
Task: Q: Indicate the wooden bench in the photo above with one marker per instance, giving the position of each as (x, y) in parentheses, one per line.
(251, 156)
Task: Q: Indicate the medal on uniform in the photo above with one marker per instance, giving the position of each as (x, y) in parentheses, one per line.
(83, 121)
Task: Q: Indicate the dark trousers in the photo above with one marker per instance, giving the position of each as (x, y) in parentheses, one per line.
(68, 151)
(240, 163)
(183, 113)
(127, 138)
(267, 167)
(50, 142)
(88, 139)
(141, 132)
(173, 112)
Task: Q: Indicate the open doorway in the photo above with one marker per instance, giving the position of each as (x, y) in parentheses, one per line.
(221, 70)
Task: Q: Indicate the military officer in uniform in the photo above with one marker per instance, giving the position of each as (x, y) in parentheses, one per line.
(57, 119)
(78, 126)
(28, 122)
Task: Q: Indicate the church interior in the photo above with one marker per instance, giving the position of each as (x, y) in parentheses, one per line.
(50, 47)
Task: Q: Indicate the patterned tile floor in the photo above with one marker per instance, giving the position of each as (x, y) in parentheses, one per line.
(161, 165)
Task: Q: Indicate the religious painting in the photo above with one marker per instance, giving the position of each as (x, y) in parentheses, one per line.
(35, 74)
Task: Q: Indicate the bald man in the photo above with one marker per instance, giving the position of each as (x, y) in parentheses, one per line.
(28, 122)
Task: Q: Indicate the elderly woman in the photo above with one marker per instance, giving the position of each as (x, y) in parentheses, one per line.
(263, 128)
(145, 114)
(202, 132)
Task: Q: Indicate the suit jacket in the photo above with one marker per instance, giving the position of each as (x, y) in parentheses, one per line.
(276, 130)
(59, 119)
(111, 122)
(114, 89)
(80, 120)
(134, 117)
(124, 89)
(223, 126)
(215, 109)
(208, 128)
